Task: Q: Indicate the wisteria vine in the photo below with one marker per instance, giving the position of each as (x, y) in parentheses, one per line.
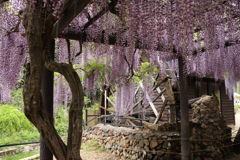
(205, 33)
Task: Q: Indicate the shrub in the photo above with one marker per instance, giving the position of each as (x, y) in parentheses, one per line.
(13, 120)
(15, 127)
(61, 121)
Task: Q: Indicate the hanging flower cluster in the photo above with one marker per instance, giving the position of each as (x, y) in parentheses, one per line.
(205, 33)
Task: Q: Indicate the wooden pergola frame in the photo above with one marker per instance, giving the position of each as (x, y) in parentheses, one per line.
(185, 131)
(71, 34)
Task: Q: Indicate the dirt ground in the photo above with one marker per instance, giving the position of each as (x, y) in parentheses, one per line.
(103, 155)
(91, 155)
(92, 151)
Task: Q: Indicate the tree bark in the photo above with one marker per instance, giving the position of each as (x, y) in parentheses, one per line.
(2, 1)
(34, 106)
(185, 132)
(236, 143)
(75, 111)
(47, 93)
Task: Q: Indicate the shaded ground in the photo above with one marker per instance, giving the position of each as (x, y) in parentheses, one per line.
(92, 151)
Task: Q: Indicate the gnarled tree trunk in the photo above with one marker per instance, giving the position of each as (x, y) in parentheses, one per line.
(34, 108)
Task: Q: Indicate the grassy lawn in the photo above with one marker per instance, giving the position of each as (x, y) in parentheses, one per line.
(20, 155)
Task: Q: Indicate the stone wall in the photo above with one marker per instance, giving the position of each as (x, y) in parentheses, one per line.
(136, 143)
(209, 136)
(210, 127)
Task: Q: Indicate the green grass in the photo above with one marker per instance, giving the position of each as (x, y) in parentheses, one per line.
(236, 106)
(92, 146)
(20, 137)
(20, 155)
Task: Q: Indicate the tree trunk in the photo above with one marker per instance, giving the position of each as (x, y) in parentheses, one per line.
(185, 131)
(47, 93)
(34, 106)
(75, 111)
(236, 143)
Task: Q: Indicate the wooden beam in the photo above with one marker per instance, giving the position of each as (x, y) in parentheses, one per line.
(159, 91)
(111, 102)
(106, 109)
(173, 113)
(161, 111)
(169, 91)
(160, 94)
(149, 100)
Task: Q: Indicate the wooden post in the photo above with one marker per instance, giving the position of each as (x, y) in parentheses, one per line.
(185, 131)
(105, 104)
(173, 113)
(47, 94)
(161, 111)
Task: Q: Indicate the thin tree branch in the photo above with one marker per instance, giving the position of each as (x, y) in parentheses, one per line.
(51, 19)
(70, 13)
(110, 7)
(69, 51)
(80, 46)
(16, 27)
(3, 1)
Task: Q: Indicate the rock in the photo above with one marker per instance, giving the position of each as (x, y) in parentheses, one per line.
(108, 146)
(160, 153)
(153, 144)
(141, 144)
(138, 136)
(135, 156)
(146, 135)
(198, 158)
(131, 137)
(146, 142)
(123, 143)
(210, 148)
(165, 145)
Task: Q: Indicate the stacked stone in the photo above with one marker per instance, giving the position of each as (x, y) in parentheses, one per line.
(135, 144)
(210, 134)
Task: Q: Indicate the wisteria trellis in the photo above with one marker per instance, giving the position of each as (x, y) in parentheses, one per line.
(185, 26)
(204, 32)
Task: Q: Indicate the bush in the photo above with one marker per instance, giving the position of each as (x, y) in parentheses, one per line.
(13, 120)
(236, 106)
(17, 98)
(20, 137)
(61, 121)
(15, 127)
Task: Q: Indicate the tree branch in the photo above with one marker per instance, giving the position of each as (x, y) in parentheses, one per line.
(2, 1)
(16, 27)
(69, 14)
(75, 111)
(69, 51)
(110, 7)
(74, 35)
